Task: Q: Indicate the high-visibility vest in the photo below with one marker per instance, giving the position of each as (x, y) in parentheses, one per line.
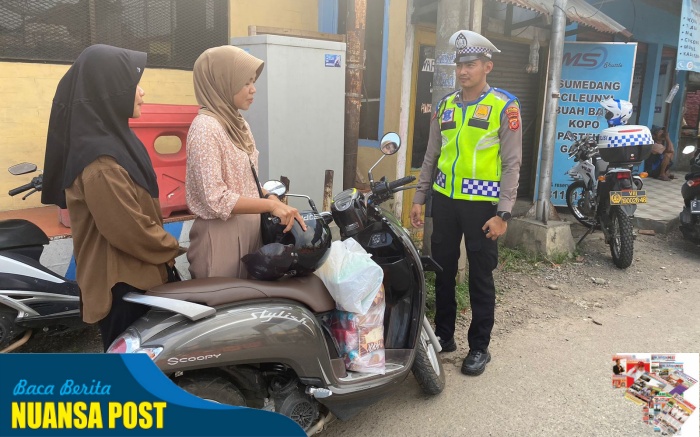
(469, 167)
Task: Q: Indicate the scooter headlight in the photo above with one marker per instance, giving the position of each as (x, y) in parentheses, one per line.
(130, 343)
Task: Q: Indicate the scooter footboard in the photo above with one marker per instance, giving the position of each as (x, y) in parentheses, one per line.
(245, 333)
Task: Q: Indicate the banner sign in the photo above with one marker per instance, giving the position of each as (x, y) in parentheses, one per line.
(591, 73)
(115, 395)
(689, 37)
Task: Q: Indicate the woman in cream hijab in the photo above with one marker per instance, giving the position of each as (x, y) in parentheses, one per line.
(220, 186)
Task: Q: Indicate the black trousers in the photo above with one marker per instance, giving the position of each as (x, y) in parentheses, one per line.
(121, 315)
(453, 219)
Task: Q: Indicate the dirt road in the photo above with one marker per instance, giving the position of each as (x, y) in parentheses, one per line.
(556, 331)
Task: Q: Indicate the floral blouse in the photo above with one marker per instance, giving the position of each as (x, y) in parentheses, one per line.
(218, 172)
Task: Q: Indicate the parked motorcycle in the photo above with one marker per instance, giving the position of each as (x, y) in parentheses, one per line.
(267, 345)
(690, 216)
(32, 297)
(605, 193)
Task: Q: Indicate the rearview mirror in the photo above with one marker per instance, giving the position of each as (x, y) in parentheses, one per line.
(390, 143)
(275, 187)
(23, 168)
(687, 150)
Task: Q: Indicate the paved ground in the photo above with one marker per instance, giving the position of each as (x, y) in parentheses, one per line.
(664, 204)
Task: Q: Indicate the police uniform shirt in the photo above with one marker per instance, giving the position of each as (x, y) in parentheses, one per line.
(511, 156)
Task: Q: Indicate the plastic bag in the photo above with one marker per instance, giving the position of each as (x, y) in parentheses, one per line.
(361, 337)
(351, 277)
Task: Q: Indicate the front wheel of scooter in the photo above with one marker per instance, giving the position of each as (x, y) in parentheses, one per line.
(427, 368)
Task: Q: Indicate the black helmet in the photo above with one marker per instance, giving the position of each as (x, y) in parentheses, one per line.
(271, 261)
(311, 246)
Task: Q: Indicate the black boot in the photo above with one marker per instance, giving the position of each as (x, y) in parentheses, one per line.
(475, 362)
(448, 346)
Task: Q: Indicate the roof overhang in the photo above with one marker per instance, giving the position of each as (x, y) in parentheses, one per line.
(578, 11)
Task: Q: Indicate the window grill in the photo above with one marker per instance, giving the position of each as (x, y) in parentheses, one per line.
(173, 32)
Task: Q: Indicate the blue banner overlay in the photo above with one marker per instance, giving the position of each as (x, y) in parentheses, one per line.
(591, 73)
(689, 37)
(110, 395)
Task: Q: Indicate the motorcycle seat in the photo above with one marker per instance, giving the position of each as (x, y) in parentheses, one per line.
(21, 233)
(212, 292)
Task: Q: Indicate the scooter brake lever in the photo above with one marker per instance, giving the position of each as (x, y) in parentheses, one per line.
(34, 190)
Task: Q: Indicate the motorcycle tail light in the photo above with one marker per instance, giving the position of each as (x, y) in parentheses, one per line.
(694, 182)
(623, 175)
(130, 343)
(126, 343)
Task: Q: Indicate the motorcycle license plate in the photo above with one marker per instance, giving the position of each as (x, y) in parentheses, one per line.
(632, 197)
(695, 206)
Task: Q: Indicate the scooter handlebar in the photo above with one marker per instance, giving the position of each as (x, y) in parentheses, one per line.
(401, 182)
(22, 189)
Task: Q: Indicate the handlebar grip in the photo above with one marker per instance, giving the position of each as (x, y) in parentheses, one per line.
(23, 188)
(401, 182)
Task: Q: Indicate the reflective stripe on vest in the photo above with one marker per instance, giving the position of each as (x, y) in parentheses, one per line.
(469, 167)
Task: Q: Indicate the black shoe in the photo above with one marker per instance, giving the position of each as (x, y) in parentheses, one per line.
(448, 346)
(475, 362)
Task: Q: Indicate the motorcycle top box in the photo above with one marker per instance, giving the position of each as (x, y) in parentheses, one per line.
(625, 144)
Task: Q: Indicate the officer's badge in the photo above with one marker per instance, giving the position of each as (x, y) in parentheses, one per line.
(448, 115)
(461, 42)
(482, 112)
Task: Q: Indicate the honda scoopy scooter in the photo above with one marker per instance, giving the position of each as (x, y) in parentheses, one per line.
(32, 297)
(265, 344)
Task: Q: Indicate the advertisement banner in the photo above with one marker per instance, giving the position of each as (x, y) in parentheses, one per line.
(591, 73)
(689, 37)
(115, 395)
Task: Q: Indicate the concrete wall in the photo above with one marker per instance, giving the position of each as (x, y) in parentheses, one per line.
(26, 104)
(292, 14)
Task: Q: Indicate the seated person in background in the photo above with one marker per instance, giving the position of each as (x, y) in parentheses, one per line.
(661, 158)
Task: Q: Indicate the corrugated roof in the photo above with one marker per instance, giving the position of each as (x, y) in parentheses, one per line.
(578, 11)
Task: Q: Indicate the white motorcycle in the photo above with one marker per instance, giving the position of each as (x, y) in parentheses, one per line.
(581, 194)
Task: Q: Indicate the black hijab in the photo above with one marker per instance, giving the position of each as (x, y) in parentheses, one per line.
(90, 118)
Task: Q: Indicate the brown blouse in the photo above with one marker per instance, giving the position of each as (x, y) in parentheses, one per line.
(118, 235)
(218, 172)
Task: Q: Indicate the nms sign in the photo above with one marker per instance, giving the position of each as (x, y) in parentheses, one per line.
(590, 59)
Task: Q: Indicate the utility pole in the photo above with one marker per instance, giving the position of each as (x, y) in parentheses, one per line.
(355, 49)
(452, 15)
(556, 54)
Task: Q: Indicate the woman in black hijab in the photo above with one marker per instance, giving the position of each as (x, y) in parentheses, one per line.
(97, 168)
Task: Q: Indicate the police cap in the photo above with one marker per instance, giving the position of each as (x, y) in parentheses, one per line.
(471, 45)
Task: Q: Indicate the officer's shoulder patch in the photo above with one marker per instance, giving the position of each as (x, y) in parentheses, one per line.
(513, 114)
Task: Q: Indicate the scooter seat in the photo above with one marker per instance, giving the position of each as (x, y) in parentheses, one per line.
(308, 290)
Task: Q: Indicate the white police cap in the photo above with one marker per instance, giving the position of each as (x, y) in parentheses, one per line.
(471, 45)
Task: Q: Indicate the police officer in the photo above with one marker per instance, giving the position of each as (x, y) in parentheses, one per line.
(476, 143)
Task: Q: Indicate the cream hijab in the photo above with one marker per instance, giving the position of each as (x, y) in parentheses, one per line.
(219, 74)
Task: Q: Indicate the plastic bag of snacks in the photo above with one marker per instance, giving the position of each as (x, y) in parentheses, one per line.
(361, 337)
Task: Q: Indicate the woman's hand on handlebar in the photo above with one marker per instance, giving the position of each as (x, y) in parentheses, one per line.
(287, 215)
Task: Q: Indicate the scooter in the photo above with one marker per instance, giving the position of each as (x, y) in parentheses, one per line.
(32, 297)
(690, 216)
(266, 344)
(605, 193)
